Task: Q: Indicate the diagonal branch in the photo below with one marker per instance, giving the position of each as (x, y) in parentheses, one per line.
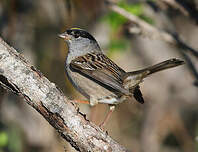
(145, 28)
(174, 4)
(152, 32)
(23, 79)
(187, 8)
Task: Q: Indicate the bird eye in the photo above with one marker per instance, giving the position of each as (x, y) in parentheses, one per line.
(76, 35)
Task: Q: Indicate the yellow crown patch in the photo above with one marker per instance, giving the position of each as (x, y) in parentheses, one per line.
(76, 28)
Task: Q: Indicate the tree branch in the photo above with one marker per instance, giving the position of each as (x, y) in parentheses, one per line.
(145, 28)
(152, 32)
(176, 5)
(187, 8)
(19, 76)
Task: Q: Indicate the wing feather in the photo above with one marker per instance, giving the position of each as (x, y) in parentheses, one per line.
(101, 69)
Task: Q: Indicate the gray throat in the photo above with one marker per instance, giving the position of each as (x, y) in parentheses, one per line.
(80, 50)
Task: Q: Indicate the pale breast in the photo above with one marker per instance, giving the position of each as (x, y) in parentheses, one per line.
(91, 89)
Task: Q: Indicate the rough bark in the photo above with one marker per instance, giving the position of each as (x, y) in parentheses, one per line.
(17, 75)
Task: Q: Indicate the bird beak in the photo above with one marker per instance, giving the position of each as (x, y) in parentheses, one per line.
(64, 36)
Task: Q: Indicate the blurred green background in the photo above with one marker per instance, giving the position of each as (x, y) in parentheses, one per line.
(167, 122)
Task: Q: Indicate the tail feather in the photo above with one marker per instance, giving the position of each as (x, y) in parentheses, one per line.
(171, 63)
(137, 94)
(131, 80)
(164, 65)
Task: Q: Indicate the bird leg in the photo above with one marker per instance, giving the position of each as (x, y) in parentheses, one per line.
(107, 117)
(111, 109)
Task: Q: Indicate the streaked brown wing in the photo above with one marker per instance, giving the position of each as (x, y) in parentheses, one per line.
(100, 68)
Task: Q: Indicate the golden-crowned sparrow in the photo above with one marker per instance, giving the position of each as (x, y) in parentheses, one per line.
(97, 77)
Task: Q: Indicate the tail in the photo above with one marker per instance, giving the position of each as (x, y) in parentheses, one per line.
(131, 80)
(171, 63)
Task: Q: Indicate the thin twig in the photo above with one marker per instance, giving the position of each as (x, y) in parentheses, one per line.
(146, 29)
(176, 5)
(187, 8)
(154, 33)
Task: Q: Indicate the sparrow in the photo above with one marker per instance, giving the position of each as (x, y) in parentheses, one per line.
(100, 79)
